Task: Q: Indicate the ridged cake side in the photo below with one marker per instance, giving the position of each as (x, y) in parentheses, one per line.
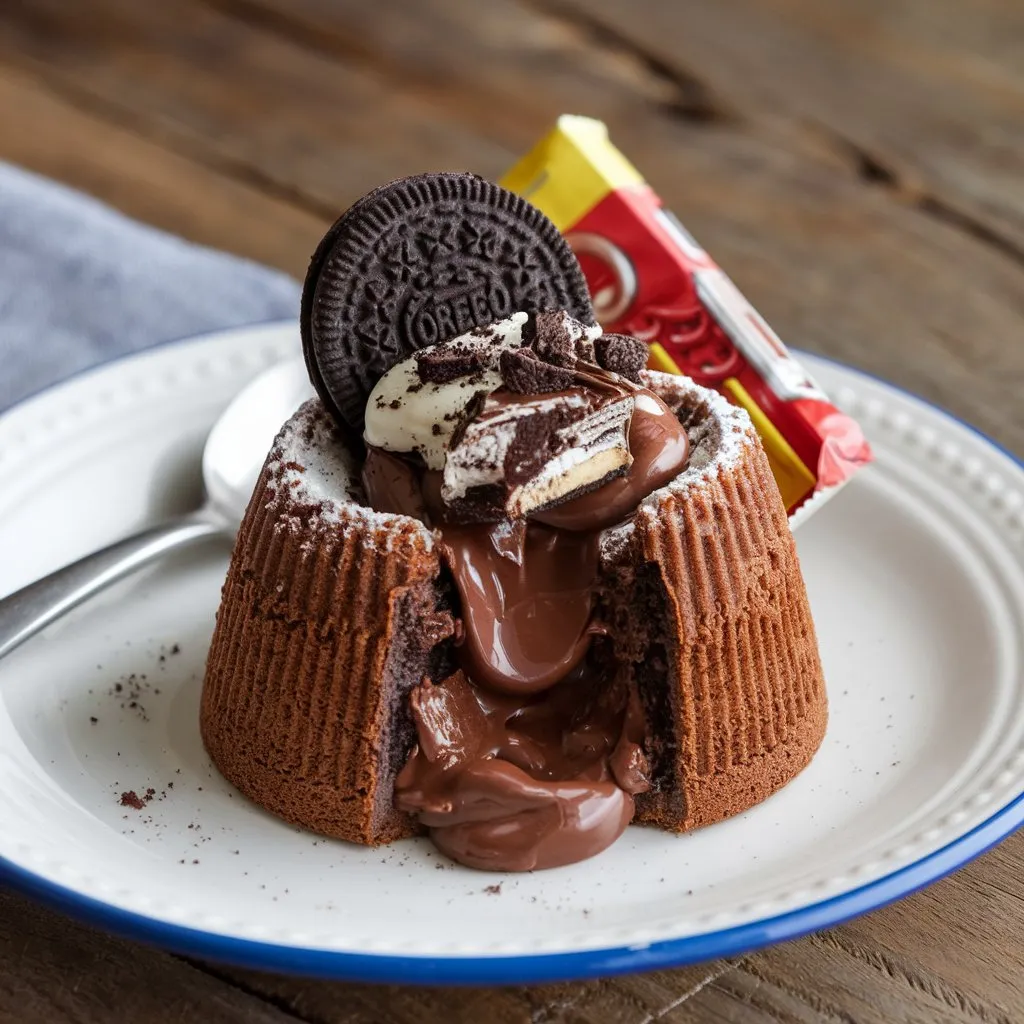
(726, 656)
(328, 615)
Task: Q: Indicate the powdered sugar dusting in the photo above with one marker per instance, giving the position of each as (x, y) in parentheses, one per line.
(311, 462)
(719, 432)
(615, 541)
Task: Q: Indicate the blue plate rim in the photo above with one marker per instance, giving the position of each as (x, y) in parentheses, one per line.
(532, 969)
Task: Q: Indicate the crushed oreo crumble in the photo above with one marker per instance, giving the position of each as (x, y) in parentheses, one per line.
(450, 361)
(551, 340)
(524, 373)
(622, 354)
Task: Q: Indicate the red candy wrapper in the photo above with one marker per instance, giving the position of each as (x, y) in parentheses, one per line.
(649, 278)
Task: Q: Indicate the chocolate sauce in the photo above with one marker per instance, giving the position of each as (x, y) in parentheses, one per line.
(512, 785)
(393, 485)
(525, 619)
(530, 755)
(659, 447)
(526, 590)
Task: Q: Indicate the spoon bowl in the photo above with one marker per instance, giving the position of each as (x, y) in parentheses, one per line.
(233, 455)
(240, 439)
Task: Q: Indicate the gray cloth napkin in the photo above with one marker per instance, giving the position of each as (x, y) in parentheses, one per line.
(81, 284)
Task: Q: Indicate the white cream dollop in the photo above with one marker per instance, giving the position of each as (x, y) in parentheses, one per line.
(407, 414)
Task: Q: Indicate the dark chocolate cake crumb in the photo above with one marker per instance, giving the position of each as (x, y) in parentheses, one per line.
(524, 373)
(450, 361)
(468, 414)
(131, 799)
(622, 355)
(93, 719)
(551, 339)
(493, 890)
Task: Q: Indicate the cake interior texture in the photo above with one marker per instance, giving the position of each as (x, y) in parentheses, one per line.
(332, 613)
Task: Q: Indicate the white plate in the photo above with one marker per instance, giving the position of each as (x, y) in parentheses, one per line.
(916, 576)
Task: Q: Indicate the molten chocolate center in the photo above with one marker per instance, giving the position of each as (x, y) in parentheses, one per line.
(512, 784)
(530, 755)
(525, 611)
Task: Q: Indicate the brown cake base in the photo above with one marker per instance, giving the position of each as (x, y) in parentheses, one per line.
(331, 613)
(325, 623)
(707, 595)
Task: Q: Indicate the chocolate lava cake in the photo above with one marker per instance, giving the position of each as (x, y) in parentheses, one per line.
(499, 583)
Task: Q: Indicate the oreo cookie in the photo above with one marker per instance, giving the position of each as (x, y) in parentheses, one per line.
(417, 262)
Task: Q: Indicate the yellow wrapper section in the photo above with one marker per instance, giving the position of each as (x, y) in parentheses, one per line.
(661, 360)
(795, 480)
(571, 170)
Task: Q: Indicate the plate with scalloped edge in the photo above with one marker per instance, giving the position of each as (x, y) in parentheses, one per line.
(916, 578)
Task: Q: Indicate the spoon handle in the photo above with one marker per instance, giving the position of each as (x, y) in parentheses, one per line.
(25, 612)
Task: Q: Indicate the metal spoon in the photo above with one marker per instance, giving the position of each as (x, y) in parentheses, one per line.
(232, 459)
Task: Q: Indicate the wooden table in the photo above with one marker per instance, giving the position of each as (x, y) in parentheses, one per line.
(858, 168)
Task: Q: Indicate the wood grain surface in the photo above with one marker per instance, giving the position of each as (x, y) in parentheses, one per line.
(856, 168)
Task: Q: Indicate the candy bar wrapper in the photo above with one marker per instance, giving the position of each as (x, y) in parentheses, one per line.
(650, 279)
